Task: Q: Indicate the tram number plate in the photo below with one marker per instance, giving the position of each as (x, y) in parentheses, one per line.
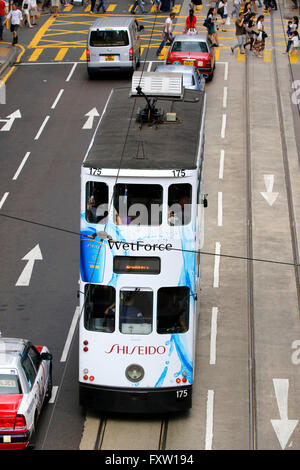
(181, 394)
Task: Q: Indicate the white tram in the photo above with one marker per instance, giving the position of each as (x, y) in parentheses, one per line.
(141, 205)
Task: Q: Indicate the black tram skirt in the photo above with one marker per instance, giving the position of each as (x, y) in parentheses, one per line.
(124, 400)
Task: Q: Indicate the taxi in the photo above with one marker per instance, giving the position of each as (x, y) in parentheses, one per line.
(195, 50)
(25, 385)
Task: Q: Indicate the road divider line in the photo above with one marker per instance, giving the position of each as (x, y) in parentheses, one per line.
(209, 420)
(221, 166)
(225, 97)
(213, 335)
(53, 394)
(21, 166)
(217, 264)
(223, 128)
(220, 209)
(70, 335)
(57, 99)
(71, 72)
(4, 197)
(41, 128)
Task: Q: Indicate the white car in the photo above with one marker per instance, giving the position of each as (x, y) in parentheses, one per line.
(25, 385)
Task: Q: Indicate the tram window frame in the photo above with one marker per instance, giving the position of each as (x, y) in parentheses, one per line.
(142, 315)
(103, 318)
(94, 189)
(140, 203)
(176, 324)
(176, 215)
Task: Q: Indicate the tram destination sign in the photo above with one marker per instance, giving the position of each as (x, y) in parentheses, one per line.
(136, 265)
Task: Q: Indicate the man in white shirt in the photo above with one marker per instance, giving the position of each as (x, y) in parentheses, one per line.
(167, 34)
(15, 16)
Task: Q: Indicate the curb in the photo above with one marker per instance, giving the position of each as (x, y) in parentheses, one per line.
(9, 59)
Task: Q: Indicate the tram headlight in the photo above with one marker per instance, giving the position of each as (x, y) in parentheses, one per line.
(134, 373)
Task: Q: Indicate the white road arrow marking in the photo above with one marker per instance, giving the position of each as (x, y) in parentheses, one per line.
(10, 120)
(31, 257)
(269, 196)
(283, 427)
(90, 120)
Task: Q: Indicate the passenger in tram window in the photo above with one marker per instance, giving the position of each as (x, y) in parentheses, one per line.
(97, 202)
(179, 202)
(129, 313)
(98, 300)
(172, 310)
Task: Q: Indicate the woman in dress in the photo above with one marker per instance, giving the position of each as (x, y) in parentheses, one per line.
(259, 43)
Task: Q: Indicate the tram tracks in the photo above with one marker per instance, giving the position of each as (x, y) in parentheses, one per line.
(253, 426)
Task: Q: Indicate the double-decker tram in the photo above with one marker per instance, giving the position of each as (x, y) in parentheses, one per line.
(141, 206)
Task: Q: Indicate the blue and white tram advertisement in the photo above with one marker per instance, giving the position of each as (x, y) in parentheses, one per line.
(139, 254)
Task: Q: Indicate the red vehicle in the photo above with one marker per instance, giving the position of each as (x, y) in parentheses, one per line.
(25, 385)
(193, 49)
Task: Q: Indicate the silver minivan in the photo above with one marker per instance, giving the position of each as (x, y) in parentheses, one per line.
(114, 45)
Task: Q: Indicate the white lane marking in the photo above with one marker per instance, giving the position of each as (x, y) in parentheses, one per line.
(57, 99)
(4, 197)
(21, 166)
(149, 66)
(220, 209)
(70, 335)
(283, 427)
(213, 335)
(209, 420)
(31, 257)
(217, 264)
(54, 393)
(223, 128)
(41, 128)
(221, 166)
(71, 72)
(225, 97)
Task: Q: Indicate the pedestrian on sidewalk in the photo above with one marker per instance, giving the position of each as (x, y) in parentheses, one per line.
(167, 32)
(26, 5)
(259, 43)
(33, 12)
(54, 5)
(15, 16)
(101, 4)
(140, 4)
(3, 12)
(239, 32)
(211, 30)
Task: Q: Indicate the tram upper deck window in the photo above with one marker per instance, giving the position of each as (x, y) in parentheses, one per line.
(173, 310)
(136, 308)
(96, 202)
(179, 204)
(99, 312)
(138, 204)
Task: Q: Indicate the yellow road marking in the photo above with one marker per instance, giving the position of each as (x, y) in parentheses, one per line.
(83, 57)
(294, 57)
(111, 7)
(61, 53)
(88, 8)
(68, 8)
(41, 32)
(217, 53)
(267, 56)
(176, 8)
(36, 54)
(240, 57)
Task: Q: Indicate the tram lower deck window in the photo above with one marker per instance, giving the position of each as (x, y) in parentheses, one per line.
(99, 312)
(136, 308)
(96, 202)
(138, 204)
(173, 310)
(179, 203)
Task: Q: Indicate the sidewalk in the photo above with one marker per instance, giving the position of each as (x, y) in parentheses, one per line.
(8, 55)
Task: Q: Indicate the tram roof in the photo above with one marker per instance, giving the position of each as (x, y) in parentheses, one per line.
(121, 142)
